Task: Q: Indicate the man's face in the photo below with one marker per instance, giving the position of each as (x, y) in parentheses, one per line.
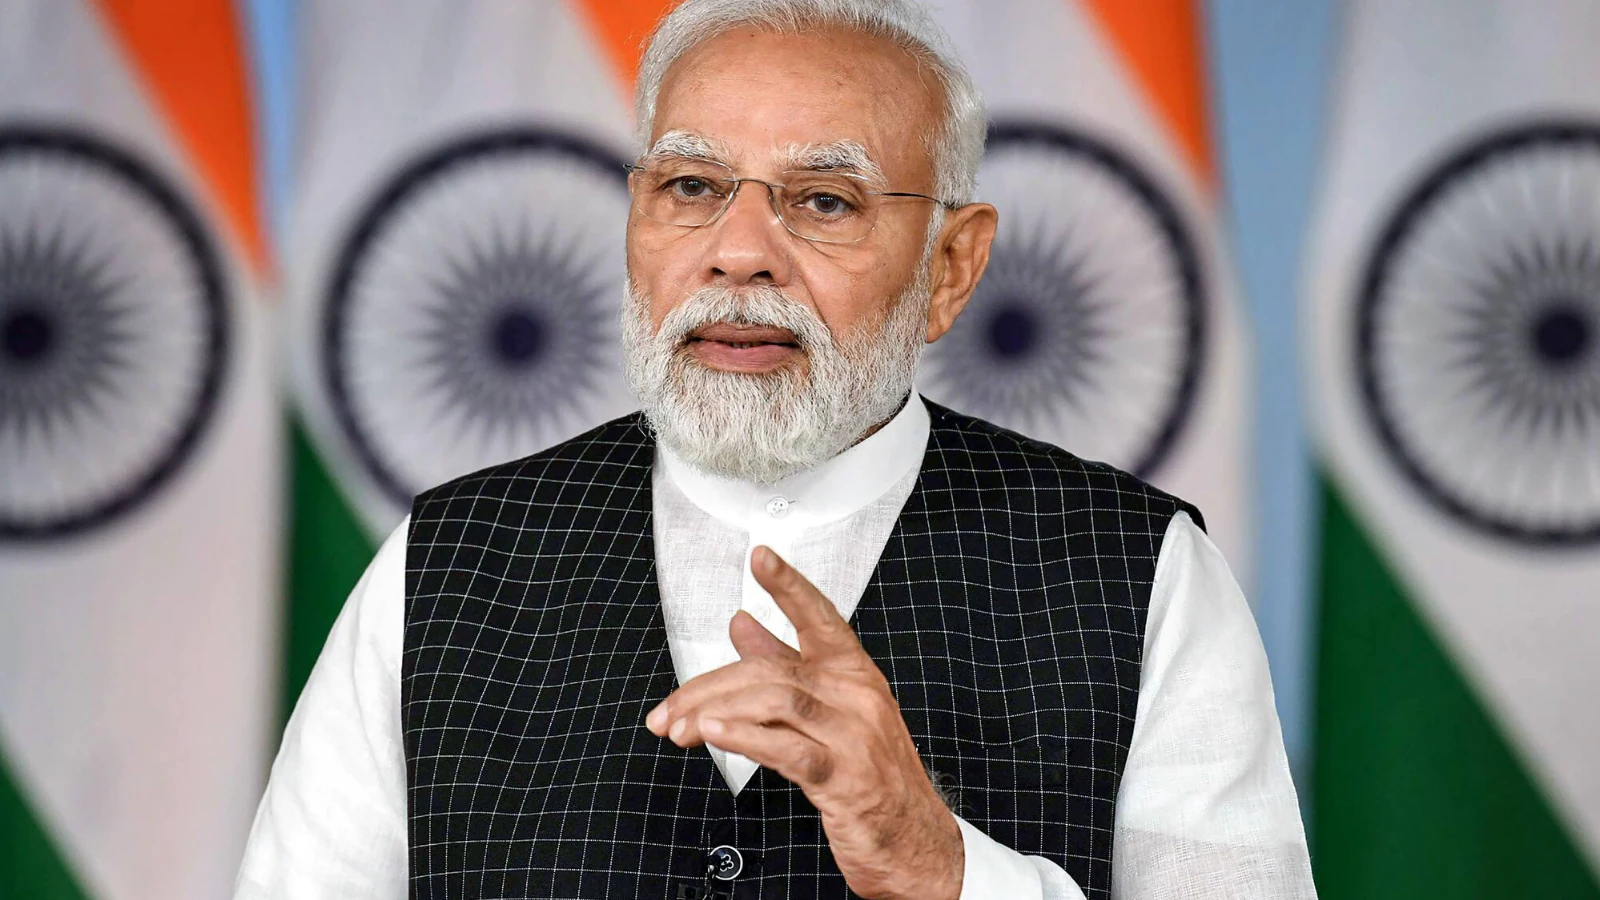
(761, 99)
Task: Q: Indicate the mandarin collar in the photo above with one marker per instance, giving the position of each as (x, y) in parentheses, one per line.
(843, 485)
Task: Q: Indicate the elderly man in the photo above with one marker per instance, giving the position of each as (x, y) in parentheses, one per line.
(791, 631)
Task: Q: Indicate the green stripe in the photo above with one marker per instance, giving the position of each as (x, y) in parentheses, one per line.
(328, 550)
(30, 863)
(1418, 794)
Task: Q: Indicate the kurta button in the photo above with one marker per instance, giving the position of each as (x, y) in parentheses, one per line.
(726, 863)
(778, 507)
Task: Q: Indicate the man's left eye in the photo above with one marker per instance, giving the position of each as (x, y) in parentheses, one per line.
(828, 204)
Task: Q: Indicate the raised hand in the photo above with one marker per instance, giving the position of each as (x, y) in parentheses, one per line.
(824, 718)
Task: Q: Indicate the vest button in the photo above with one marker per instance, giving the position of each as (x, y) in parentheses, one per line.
(778, 507)
(726, 863)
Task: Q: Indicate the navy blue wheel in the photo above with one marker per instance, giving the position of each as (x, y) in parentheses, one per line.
(114, 332)
(1478, 334)
(472, 316)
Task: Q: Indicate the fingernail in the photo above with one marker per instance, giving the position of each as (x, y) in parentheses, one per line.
(656, 721)
(766, 560)
(711, 727)
(679, 729)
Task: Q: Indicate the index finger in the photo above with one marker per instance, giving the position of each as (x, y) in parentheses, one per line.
(816, 621)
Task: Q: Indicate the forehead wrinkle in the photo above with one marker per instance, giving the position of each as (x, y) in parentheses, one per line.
(688, 145)
(830, 156)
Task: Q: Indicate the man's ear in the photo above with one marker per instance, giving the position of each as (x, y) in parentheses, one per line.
(960, 257)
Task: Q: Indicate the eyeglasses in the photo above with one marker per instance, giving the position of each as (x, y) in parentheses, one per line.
(826, 207)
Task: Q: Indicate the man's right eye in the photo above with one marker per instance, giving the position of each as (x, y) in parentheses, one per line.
(689, 187)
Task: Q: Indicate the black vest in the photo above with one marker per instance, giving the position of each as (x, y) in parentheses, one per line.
(1007, 611)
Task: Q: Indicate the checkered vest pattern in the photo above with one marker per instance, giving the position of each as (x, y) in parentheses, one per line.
(1007, 611)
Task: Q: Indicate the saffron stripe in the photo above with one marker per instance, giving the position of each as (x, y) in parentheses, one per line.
(189, 55)
(1161, 43)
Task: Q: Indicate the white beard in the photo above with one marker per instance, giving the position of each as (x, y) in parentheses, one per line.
(764, 427)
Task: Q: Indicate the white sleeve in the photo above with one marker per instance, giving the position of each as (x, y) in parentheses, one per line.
(332, 823)
(1206, 808)
(993, 871)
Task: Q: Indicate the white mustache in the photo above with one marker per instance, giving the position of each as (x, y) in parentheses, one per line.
(763, 305)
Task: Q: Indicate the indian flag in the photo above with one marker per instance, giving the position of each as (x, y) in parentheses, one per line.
(1108, 322)
(1454, 333)
(455, 259)
(138, 453)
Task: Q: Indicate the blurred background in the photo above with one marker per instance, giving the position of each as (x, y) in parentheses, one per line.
(1328, 268)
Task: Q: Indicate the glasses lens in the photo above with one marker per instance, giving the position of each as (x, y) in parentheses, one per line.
(682, 191)
(834, 209)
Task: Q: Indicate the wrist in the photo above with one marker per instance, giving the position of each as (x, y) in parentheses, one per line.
(939, 867)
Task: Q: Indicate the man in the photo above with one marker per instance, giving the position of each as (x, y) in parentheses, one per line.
(793, 629)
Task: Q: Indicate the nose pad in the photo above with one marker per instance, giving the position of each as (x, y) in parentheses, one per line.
(772, 199)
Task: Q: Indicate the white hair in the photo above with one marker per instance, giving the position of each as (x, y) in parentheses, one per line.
(955, 147)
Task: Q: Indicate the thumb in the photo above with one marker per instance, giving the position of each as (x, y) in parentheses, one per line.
(751, 638)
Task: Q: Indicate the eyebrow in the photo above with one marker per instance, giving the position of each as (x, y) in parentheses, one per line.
(687, 145)
(834, 156)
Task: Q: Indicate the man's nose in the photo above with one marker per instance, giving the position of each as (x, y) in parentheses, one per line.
(748, 242)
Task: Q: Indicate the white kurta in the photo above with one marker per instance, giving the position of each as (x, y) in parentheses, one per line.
(1206, 808)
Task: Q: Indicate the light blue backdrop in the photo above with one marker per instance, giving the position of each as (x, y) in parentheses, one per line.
(1271, 64)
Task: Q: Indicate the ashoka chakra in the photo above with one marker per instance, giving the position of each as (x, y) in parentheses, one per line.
(1478, 328)
(113, 332)
(472, 315)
